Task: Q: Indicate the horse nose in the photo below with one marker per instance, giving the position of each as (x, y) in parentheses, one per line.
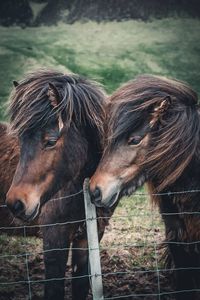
(17, 207)
(96, 195)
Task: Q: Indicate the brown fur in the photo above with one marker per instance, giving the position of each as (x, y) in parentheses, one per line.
(73, 123)
(142, 96)
(166, 113)
(9, 150)
(30, 97)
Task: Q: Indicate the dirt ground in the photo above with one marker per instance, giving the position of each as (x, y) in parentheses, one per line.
(130, 258)
(136, 283)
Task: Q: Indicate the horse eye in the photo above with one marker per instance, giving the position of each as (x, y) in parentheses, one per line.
(134, 140)
(50, 143)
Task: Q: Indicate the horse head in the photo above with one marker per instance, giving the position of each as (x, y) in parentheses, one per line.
(152, 133)
(57, 118)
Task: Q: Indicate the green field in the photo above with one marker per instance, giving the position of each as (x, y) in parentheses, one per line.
(111, 52)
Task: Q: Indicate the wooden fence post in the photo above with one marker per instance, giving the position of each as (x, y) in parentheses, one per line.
(93, 244)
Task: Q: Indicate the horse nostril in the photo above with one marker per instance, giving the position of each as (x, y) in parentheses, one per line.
(96, 195)
(17, 207)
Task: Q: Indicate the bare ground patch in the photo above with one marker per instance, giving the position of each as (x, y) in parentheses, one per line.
(130, 258)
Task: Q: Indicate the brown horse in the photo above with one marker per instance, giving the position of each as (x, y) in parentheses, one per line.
(59, 122)
(9, 150)
(153, 136)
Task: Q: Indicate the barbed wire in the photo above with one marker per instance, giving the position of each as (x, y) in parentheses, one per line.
(154, 244)
(103, 274)
(98, 218)
(134, 194)
(27, 270)
(152, 294)
(113, 247)
(58, 198)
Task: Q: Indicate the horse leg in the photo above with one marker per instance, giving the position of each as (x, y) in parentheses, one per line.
(80, 263)
(80, 285)
(186, 260)
(55, 237)
(183, 272)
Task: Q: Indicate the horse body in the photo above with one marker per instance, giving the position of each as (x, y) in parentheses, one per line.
(153, 136)
(9, 158)
(62, 210)
(9, 149)
(58, 120)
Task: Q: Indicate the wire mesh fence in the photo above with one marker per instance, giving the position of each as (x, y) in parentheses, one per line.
(131, 256)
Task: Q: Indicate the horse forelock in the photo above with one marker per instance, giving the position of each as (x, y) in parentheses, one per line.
(172, 144)
(173, 147)
(82, 101)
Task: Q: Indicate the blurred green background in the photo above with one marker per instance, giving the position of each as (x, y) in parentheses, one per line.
(110, 52)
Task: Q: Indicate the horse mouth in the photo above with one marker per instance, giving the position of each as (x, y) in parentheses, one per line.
(35, 213)
(110, 202)
(127, 190)
(132, 186)
(113, 199)
(31, 216)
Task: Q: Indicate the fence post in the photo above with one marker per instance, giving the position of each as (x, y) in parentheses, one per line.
(93, 244)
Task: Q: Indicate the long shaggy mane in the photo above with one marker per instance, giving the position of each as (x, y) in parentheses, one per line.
(174, 141)
(82, 101)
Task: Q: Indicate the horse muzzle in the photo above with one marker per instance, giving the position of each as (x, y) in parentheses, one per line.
(23, 205)
(104, 193)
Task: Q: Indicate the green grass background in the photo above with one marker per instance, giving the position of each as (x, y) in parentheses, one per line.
(111, 52)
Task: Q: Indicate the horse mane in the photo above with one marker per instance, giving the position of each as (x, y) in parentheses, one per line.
(175, 141)
(9, 149)
(82, 101)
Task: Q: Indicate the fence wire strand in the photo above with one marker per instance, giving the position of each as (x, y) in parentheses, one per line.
(27, 269)
(156, 245)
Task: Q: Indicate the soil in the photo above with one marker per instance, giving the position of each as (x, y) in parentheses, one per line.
(139, 283)
(130, 258)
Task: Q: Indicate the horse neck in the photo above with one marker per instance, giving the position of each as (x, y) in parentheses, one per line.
(87, 145)
(94, 150)
(183, 194)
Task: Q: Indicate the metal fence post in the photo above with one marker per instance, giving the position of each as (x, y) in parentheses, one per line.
(93, 245)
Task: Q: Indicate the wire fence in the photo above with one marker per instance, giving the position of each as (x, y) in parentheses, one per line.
(125, 262)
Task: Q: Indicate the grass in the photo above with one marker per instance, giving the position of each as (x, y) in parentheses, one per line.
(136, 225)
(109, 52)
(112, 53)
(130, 244)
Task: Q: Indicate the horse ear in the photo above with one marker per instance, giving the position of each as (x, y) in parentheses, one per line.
(15, 83)
(160, 109)
(54, 98)
(164, 104)
(53, 95)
